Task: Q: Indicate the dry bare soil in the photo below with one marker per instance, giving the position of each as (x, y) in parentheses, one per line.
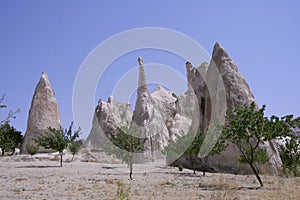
(43, 179)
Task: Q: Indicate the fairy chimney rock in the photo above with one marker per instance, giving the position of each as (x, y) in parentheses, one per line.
(43, 112)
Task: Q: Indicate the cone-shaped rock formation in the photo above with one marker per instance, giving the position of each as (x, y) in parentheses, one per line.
(43, 112)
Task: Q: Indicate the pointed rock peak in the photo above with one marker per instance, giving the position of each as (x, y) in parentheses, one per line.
(140, 60)
(44, 76)
(44, 82)
(142, 87)
(141, 112)
(217, 45)
(219, 52)
(188, 66)
(43, 112)
(219, 55)
(110, 99)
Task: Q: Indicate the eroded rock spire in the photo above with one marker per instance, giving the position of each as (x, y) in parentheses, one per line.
(43, 112)
(141, 113)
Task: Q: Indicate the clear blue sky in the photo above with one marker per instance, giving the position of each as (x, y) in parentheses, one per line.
(262, 37)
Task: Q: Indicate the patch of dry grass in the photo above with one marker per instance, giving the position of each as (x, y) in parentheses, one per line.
(122, 191)
(20, 179)
(220, 184)
(166, 183)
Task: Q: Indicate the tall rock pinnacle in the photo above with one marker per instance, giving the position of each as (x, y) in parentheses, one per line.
(141, 113)
(43, 112)
(237, 89)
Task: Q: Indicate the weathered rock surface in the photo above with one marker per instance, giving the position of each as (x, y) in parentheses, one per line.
(43, 112)
(160, 116)
(107, 117)
(149, 119)
(238, 93)
(163, 115)
(237, 89)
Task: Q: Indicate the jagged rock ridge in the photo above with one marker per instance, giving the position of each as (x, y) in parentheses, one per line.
(167, 115)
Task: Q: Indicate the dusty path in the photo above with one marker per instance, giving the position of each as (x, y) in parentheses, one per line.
(88, 180)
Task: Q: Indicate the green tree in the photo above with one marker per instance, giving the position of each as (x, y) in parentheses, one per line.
(290, 156)
(10, 138)
(124, 144)
(32, 149)
(188, 145)
(57, 139)
(74, 147)
(248, 128)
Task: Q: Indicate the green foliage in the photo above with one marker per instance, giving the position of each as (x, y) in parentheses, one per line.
(185, 145)
(124, 144)
(247, 128)
(32, 149)
(10, 115)
(189, 145)
(1, 100)
(180, 167)
(57, 139)
(74, 147)
(290, 156)
(10, 138)
(260, 156)
(122, 191)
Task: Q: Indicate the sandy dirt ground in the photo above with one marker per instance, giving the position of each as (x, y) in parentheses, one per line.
(44, 179)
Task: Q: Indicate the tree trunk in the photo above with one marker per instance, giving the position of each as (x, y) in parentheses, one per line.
(13, 151)
(203, 164)
(130, 168)
(2, 152)
(192, 162)
(61, 158)
(256, 174)
(72, 157)
(130, 173)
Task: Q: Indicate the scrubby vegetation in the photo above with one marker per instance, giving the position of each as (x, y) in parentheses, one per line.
(10, 138)
(74, 147)
(57, 139)
(32, 149)
(124, 144)
(122, 191)
(290, 156)
(249, 129)
(188, 145)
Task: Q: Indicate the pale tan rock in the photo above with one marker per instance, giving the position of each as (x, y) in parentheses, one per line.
(238, 93)
(107, 117)
(43, 112)
(163, 116)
